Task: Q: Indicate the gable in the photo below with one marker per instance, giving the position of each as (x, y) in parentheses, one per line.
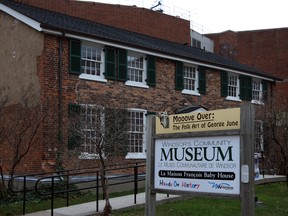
(20, 47)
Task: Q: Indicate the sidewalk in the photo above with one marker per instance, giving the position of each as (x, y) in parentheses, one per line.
(90, 208)
(123, 202)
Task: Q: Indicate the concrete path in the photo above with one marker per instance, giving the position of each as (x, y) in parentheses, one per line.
(90, 208)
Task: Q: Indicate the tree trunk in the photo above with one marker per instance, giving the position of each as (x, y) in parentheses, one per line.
(108, 208)
(104, 182)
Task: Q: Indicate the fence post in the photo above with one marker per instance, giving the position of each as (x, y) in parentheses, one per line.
(24, 196)
(97, 191)
(67, 189)
(135, 183)
(52, 196)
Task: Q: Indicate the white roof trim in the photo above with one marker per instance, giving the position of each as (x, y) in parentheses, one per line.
(28, 21)
(165, 56)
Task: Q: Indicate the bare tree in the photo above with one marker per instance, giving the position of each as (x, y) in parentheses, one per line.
(274, 116)
(19, 131)
(20, 124)
(99, 132)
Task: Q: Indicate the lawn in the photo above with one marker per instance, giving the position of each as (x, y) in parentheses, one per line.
(274, 198)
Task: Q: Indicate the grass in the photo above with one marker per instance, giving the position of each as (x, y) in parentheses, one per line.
(274, 197)
(37, 204)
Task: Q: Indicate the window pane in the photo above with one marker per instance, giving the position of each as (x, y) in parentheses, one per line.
(91, 126)
(233, 85)
(135, 68)
(91, 60)
(189, 78)
(136, 133)
(256, 90)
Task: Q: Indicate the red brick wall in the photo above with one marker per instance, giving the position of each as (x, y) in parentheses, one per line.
(160, 98)
(132, 18)
(266, 50)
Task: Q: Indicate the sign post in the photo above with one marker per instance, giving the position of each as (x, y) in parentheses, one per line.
(202, 153)
(247, 161)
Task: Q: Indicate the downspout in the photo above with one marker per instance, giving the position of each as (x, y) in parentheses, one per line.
(60, 107)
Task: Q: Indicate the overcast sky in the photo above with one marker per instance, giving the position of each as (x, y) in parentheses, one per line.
(212, 16)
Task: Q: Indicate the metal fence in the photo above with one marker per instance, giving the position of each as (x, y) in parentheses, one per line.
(67, 182)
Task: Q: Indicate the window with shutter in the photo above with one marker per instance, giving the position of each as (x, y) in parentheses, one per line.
(191, 80)
(151, 70)
(245, 87)
(122, 65)
(74, 139)
(75, 57)
(179, 84)
(231, 87)
(264, 91)
(202, 80)
(224, 84)
(110, 66)
(136, 69)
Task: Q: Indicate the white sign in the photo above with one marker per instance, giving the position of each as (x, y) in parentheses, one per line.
(203, 164)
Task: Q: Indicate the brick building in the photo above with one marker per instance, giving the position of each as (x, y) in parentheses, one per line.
(265, 49)
(69, 58)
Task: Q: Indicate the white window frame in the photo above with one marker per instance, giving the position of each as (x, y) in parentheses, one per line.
(139, 155)
(237, 90)
(87, 154)
(260, 91)
(100, 77)
(142, 84)
(196, 80)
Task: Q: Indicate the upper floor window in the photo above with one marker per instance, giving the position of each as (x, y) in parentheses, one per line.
(97, 62)
(87, 60)
(136, 69)
(233, 86)
(92, 58)
(242, 87)
(137, 144)
(191, 79)
(257, 91)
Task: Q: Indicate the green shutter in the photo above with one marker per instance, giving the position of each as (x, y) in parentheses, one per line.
(151, 71)
(243, 86)
(179, 83)
(73, 110)
(249, 88)
(264, 90)
(224, 84)
(110, 66)
(202, 80)
(74, 139)
(75, 57)
(122, 65)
